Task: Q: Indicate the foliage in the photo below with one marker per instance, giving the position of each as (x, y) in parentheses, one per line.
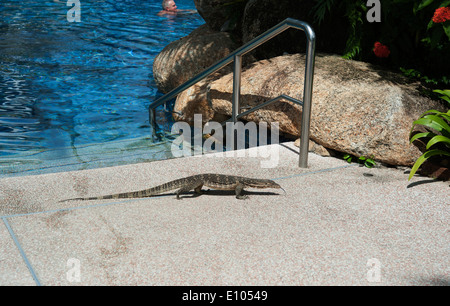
(414, 74)
(415, 41)
(367, 162)
(445, 94)
(438, 133)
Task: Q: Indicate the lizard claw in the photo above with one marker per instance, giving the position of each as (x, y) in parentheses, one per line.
(242, 197)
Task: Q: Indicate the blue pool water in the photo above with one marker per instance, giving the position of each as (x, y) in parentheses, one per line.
(75, 85)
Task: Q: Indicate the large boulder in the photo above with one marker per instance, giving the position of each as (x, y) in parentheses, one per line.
(194, 101)
(357, 108)
(182, 59)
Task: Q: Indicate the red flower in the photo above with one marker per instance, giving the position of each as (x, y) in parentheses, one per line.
(441, 14)
(381, 50)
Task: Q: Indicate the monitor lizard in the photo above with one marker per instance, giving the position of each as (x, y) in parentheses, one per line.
(196, 182)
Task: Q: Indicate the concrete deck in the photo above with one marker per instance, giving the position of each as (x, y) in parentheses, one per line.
(337, 224)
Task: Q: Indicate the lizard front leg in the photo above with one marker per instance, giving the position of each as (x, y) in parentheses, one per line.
(239, 189)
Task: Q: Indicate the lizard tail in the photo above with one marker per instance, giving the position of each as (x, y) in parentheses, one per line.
(124, 195)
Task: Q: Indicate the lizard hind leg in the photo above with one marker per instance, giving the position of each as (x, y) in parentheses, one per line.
(197, 189)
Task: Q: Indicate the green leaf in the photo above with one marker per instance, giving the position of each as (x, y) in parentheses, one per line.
(321, 8)
(446, 98)
(436, 117)
(430, 25)
(434, 122)
(444, 127)
(423, 120)
(435, 35)
(352, 53)
(348, 158)
(423, 158)
(438, 139)
(421, 135)
(445, 93)
(423, 4)
(446, 27)
(431, 111)
(443, 115)
(369, 163)
(428, 123)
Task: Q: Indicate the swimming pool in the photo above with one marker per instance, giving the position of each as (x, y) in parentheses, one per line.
(76, 94)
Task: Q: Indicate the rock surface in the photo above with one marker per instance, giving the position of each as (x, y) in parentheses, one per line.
(357, 108)
(182, 59)
(194, 101)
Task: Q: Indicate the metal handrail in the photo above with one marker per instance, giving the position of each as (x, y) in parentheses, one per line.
(236, 56)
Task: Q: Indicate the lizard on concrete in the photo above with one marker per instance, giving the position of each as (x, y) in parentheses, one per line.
(196, 182)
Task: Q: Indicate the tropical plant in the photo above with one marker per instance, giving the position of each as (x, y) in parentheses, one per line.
(413, 34)
(438, 134)
(366, 161)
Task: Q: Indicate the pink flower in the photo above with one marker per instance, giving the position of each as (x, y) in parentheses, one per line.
(381, 50)
(441, 14)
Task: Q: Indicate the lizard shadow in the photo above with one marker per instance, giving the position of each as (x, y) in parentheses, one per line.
(213, 192)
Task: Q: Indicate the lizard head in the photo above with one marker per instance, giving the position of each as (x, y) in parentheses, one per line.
(264, 184)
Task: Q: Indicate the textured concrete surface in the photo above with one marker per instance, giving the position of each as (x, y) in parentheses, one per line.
(337, 224)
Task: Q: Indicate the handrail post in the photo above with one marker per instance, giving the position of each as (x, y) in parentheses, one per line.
(236, 87)
(307, 97)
